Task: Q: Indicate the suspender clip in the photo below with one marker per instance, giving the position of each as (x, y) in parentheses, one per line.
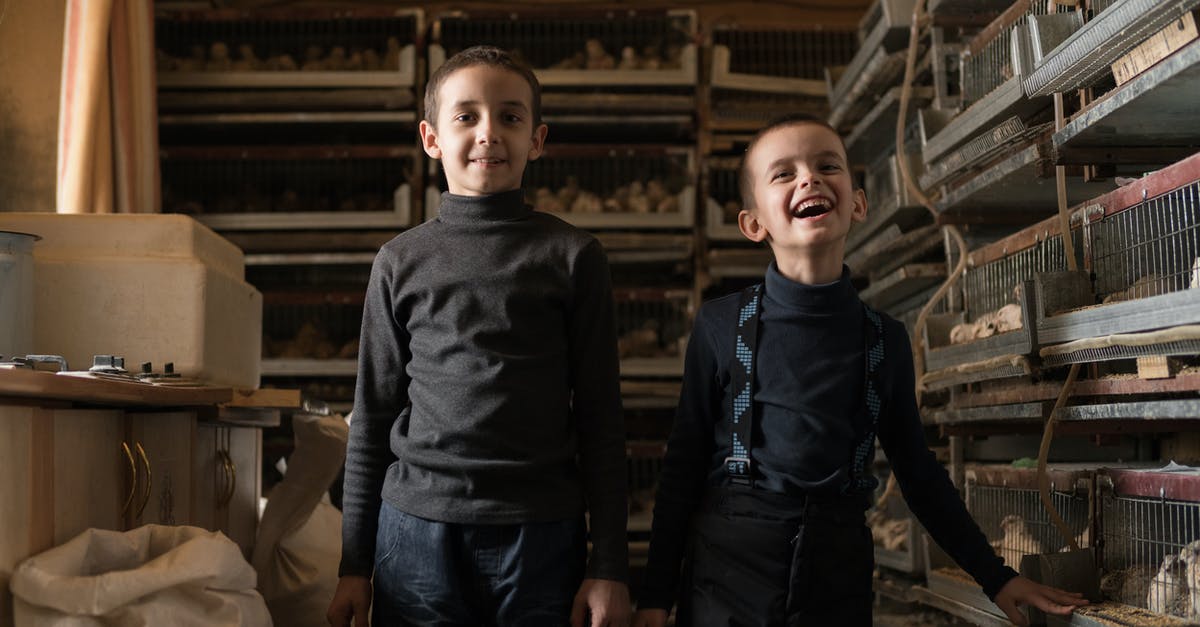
(738, 469)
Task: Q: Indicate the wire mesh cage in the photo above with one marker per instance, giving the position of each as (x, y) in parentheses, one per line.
(1085, 55)
(993, 334)
(598, 186)
(790, 61)
(1141, 257)
(1005, 503)
(580, 48)
(894, 530)
(1148, 248)
(723, 199)
(296, 187)
(302, 327)
(293, 47)
(987, 62)
(1151, 553)
(644, 460)
(652, 329)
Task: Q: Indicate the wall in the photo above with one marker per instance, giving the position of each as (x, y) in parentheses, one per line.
(31, 42)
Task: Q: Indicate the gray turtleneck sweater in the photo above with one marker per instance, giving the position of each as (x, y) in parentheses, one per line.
(808, 388)
(488, 388)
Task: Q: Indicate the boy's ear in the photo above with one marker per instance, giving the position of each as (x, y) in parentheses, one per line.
(751, 227)
(860, 206)
(539, 142)
(429, 140)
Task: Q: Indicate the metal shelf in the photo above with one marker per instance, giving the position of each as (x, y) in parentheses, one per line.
(1151, 119)
(876, 131)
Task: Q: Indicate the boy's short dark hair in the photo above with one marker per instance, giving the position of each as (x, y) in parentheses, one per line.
(745, 183)
(481, 55)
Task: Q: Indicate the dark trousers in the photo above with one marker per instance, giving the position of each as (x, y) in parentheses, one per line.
(760, 559)
(431, 573)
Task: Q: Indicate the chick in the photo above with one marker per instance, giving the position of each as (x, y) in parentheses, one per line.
(195, 62)
(569, 192)
(1007, 318)
(391, 57)
(545, 200)
(638, 203)
(1190, 555)
(371, 61)
(313, 61)
(587, 202)
(1164, 595)
(597, 57)
(218, 58)
(640, 342)
(655, 192)
(247, 61)
(1016, 541)
(336, 61)
(629, 59)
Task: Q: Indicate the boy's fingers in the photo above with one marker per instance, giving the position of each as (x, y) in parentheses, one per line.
(578, 609)
(1014, 614)
(360, 615)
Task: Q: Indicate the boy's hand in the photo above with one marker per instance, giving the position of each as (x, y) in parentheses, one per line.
(1023, 591)
(650, 618)
(605, 601)
(352, 599)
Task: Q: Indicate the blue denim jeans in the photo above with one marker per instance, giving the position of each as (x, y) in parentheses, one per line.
(432, 573)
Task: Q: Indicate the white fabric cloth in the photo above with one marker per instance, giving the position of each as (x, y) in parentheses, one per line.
(299, 543)
(153, 575)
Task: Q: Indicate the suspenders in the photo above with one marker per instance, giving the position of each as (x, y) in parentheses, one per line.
(738, 464)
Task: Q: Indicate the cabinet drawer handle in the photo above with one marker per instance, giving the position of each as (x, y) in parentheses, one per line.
(230, 479)
(149, 488)
(132, 477)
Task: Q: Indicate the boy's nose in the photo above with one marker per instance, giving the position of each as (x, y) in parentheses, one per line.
(485, 133)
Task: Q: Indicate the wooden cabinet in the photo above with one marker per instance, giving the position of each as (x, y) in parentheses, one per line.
(64, 470)
(227, 471)
(164, 494)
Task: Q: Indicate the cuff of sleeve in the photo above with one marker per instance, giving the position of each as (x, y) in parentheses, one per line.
(354, 568)
(613, 566)
(993, 584)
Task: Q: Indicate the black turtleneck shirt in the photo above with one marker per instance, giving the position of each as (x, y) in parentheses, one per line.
(808, 390)
(488, 389)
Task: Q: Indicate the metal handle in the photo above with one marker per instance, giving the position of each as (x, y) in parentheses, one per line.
(132, 477)
(230, 486)
(149, 488)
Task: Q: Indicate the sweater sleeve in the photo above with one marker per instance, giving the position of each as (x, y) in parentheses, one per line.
(381, 394)
(685, 469)
(596, 408)
(924, 482)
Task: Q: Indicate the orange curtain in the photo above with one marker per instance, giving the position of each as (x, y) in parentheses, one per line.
(107, 115)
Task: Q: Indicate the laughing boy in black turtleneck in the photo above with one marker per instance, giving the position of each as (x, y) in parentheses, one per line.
(786, 387)
(487, 413)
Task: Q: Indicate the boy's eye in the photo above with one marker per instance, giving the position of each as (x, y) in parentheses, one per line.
(831, 167)
(512, 117)
(464, 117)
(780, 175)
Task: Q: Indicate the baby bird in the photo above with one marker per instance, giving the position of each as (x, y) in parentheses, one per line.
(1016, 542)
(1007, 318)
(1164, 595)
(1190, 555)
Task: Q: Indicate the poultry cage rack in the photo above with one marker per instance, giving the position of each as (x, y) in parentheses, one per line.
(596, 186)
(291, 187)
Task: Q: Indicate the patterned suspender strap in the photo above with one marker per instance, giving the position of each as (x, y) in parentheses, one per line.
(864, 451)
(741, 385)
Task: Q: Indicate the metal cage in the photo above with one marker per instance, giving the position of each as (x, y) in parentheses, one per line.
(297, 187)
(791, 61)
(311, 333)
(653, 325)
(1141, 259)
(723, 198)
(1151, 528)
(596, 186)
(296, 47)
(581, 48)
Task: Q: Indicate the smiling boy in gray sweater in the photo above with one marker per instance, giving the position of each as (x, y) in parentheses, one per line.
(487, 414)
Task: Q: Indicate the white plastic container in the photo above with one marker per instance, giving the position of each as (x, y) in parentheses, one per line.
(148, 287)
(16, 293)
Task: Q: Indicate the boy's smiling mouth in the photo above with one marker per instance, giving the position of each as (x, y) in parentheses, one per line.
(812, 207)
(487, 161)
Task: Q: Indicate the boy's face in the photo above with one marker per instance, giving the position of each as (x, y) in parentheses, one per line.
(804, 196)
(484, 131)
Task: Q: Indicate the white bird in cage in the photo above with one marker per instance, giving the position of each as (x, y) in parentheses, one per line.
(1016, 542)
(1195, 283)
(1163, 596)
(1190, 555)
